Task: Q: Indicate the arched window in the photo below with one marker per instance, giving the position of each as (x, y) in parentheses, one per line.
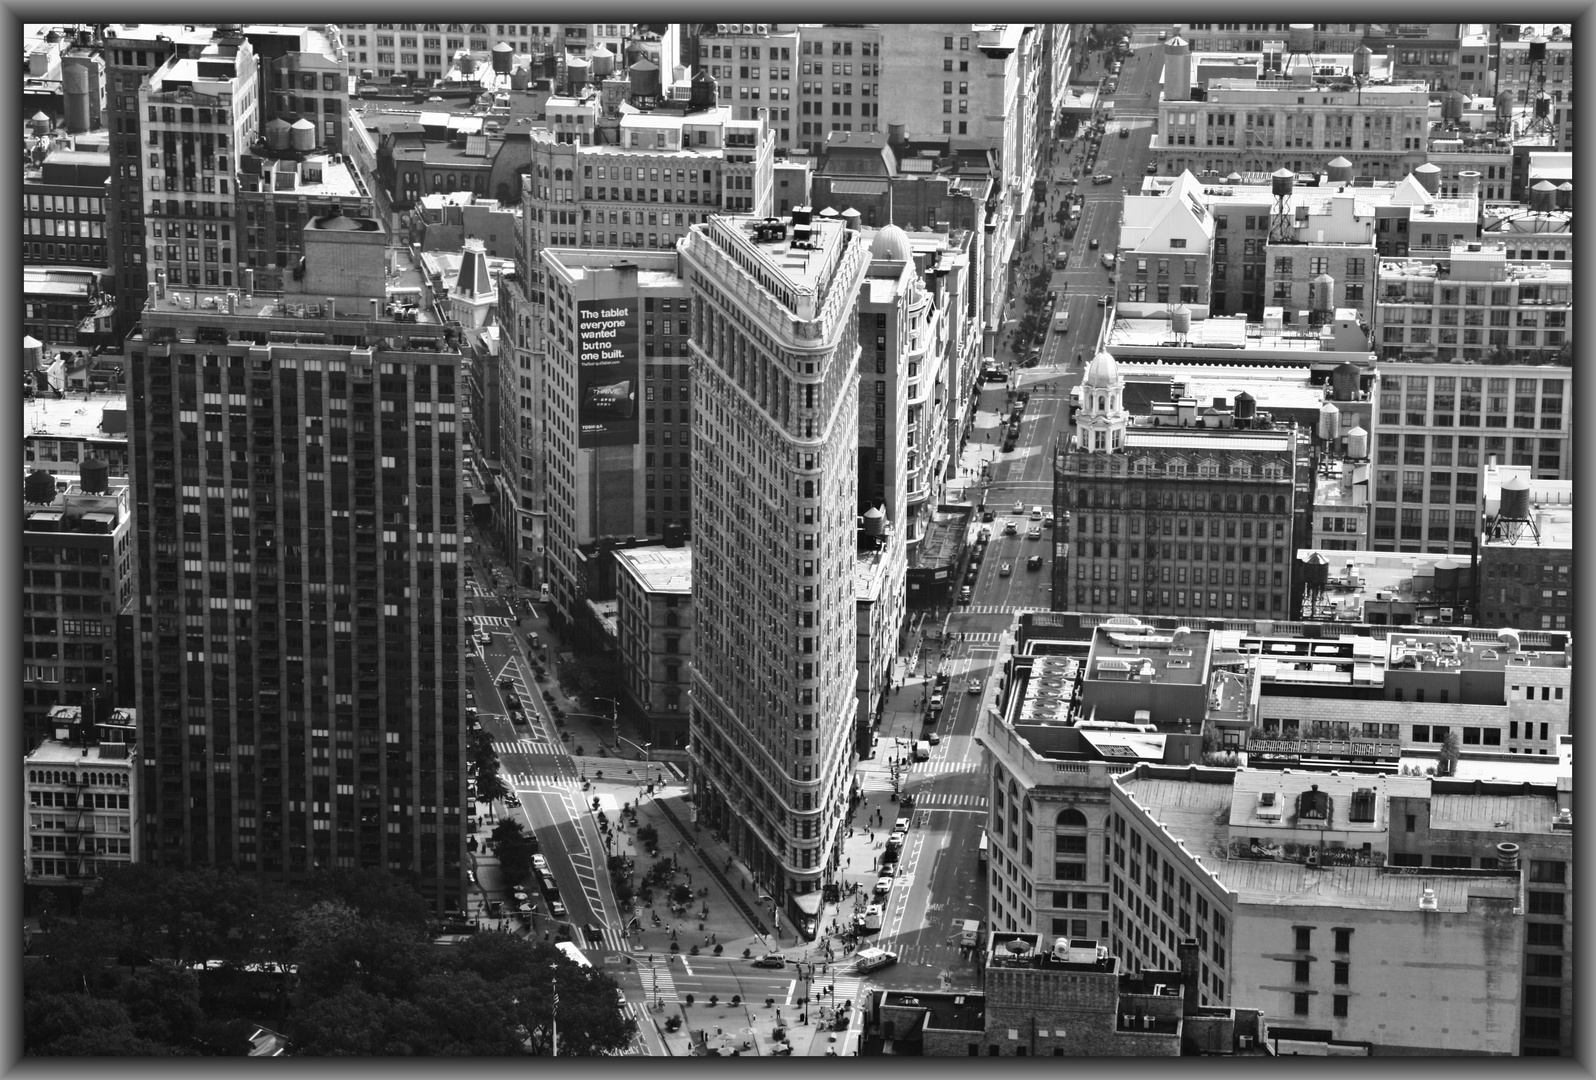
(1230, 504)
(672, 619)
(1102, 403)
(1280, 504)
(1246, 504)
(1215, 501)
(1071, 819)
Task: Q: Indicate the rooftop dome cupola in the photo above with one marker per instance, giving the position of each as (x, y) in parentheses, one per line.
(891, 243)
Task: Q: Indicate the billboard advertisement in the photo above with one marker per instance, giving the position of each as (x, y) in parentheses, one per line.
(607, 373)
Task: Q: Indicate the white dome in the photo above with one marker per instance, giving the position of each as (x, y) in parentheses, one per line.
(1102, 371)
(891, 243)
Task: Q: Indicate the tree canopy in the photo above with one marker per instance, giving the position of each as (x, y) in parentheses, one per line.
(367, 980)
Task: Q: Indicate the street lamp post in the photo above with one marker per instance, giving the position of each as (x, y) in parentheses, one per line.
(615, 722)
(647, 750)
(775, 916)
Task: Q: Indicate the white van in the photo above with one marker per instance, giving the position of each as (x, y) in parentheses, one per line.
(1036, 513)
(922, 751)
(970, 933)
(868, 960)
(872, 917)
(1061, 320)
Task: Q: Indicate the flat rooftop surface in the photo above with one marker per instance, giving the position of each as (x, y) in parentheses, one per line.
(1264, 881)
(1494, 813)
(1198, 813)
(76, 416)
(661, 568)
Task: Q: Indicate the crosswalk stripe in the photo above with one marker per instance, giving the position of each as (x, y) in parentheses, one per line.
(526, 780)
(526, 746)
(657, 980)
(492, 620)
(944, 802)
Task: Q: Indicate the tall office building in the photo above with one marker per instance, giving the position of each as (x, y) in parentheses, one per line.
(1193, 510)
(775, 344)
(132, 52)
(607, 173)
(619, 419)
(295, 470)
(199, 113)
(77, 562)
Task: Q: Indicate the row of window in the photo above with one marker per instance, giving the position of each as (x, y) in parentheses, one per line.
(1166, 598)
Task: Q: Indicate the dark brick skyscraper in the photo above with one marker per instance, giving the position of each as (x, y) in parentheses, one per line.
(295, 464)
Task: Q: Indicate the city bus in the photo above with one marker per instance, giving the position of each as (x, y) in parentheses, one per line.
(573, 954)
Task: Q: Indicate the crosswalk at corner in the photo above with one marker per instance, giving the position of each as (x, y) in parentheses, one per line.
(940, 801)
(541, 780)
(527, 746)
(485, 621)
(995, 609)
(657, 982)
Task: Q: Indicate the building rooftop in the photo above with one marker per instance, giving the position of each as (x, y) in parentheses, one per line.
(1136, 652)
(655, 269)
(1271, 798)
(177, 33)
(1264, 881)
(944, 1012)
(63, 281)
(800, 256)
(1197, 813)
(313, 176)
(1327, 68)
(1272, 388)
(1341, 485)
(1550, 508)
(1494, 813)
(1404, 578)
(406, 302)
(1137, 438)
(869, 570)
(55, 752)
(76, 416)
(1234, 332)
(1468, 263)
(1018, 949)
(660, 569)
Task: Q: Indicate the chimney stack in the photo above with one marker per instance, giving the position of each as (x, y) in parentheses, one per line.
(1190, 970)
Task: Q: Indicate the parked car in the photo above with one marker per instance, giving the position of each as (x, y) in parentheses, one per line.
(1108, 260)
